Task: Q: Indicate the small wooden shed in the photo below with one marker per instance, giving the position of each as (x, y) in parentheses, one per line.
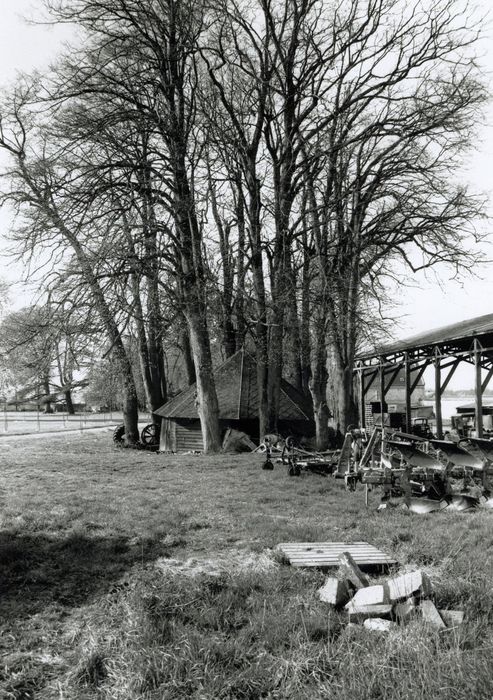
(236, 388)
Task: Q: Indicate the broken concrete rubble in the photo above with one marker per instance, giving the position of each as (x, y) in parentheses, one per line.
(431, 615)
(371, 595)
(405, 610)
(452, 618)
(334, 591)
(414, 583)
(378, 607)
(364, 612)
(378, 624)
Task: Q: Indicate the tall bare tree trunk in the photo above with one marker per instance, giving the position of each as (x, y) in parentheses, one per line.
(226, 295)
(239, 306)
(130, 402)
(292, 336)
(155, 357)
(195, 307)
(187, 355)
(305, 317)
(319, 378)
(69, 403)
(261, 334)
(46, 387)
(177, 72)
(148, 339)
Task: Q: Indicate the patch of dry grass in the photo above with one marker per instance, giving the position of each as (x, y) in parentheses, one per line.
(123, 577)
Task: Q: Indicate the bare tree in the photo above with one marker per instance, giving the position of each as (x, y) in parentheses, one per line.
(156, 46)
(280, 156)
(54, 223)
(406, 100)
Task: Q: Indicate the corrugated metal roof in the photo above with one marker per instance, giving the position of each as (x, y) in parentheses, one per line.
(454, 333)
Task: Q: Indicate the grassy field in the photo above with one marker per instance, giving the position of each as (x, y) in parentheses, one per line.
(130, 575)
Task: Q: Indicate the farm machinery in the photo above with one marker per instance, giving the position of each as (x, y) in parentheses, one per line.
(428, 474)
(149, 437)
(295, 458)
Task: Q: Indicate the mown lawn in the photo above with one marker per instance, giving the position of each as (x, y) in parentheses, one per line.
(95, 604)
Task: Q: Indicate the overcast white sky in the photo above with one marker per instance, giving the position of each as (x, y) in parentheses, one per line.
(424, 306)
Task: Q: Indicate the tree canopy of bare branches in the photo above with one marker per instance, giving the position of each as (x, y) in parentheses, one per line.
(215, 175)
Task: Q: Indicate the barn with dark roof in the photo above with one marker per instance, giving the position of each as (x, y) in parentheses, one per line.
(236, 388)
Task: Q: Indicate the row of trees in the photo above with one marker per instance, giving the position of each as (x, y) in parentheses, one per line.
(210, 175)
(49, 352)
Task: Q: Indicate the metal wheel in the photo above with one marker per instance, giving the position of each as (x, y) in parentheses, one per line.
(150, 434)
(293, 468)
(119, 435)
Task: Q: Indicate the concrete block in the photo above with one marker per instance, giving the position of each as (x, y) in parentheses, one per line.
(452, 618)
(431, 615)
(371, 595)
(406, 610)
(378, 624)
(407, 585)
(334, 592)
(358, 613)
(350, 570)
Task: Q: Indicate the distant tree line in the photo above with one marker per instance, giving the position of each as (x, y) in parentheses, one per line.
(204, 176)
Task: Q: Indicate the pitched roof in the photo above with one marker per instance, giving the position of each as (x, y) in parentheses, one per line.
(237, 394)
(457, 335)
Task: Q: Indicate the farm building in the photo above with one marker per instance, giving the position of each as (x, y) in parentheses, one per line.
(236, 388)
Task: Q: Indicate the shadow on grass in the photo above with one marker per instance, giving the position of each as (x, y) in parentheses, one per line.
(38, 570)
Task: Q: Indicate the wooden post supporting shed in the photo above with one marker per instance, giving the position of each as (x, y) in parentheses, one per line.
(438, 395)
(478, 390)
(407, 381)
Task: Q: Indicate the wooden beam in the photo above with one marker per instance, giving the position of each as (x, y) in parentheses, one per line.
(486, 380)
(415, 383)
(362, 406)
(407, 380)
(487, 358)
(449, 375)
(372, 376)
(478, 394)
(393, 376)
(452, 362)
(382, 392)
(438, 397)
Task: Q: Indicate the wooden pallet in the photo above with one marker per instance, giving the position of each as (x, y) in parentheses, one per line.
(326, 554)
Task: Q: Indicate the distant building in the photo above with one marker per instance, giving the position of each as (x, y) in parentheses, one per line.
(396, 394)
(395, 398)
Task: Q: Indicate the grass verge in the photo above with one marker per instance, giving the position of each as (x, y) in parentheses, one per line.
(96, 601)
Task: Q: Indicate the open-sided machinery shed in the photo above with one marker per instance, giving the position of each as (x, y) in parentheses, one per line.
(444, 348)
